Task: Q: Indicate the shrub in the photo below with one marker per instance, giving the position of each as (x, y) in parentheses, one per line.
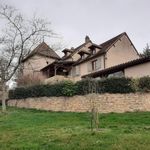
(135, 84)
(116, 85)
(108, 85)
(68, 89)
(30, 80)
(59, 89)
(86, 86)
(144, 84)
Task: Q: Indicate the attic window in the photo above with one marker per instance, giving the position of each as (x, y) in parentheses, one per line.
(83, 56)
(94, 51)
(66, 53)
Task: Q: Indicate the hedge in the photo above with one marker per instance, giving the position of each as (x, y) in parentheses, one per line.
(60, 89)
(144, 84)
(108, 85)
(68, 88)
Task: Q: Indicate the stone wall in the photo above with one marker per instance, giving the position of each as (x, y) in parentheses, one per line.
(105, 103)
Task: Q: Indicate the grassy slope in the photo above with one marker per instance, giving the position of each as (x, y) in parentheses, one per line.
(40, 130)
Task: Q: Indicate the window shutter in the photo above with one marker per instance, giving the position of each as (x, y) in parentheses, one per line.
(98, 63)
(89, 66)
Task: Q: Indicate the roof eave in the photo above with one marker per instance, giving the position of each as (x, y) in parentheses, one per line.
(118, 67)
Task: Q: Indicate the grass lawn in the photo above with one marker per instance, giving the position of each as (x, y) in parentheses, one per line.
(22, 129)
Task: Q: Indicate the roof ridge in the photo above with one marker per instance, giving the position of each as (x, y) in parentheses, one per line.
(40, 49)
(116, 37)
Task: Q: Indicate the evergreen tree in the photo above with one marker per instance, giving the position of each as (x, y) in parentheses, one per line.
(146, 51)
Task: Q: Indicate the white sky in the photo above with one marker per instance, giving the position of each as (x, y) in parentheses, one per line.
(100, 19)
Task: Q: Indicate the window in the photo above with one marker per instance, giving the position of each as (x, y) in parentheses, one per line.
(83, 56)
(117, 74)
(76, 71)
(94, 51)
(94, 65)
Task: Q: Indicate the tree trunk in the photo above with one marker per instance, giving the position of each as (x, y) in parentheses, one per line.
(4, 97)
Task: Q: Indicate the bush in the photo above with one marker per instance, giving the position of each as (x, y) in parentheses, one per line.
(86, 86)
(66, 88)
(144, 84)
(108, 85)
(30, 80)
(116, 85)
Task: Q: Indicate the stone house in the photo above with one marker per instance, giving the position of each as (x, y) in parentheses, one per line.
(115, 57)
(41, 56)
(89, 58)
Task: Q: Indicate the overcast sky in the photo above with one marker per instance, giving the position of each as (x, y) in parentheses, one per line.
(100, 19)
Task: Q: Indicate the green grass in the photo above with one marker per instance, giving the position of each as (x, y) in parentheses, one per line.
(22, 129)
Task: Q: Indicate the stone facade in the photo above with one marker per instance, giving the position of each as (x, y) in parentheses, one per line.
(105, 103)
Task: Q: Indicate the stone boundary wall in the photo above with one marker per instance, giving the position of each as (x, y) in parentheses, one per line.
(105, 103)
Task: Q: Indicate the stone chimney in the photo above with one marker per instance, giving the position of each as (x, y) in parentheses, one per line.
(87, 39)
(72, 48)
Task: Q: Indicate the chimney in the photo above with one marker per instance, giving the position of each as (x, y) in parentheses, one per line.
(72, 48)
(87, 39)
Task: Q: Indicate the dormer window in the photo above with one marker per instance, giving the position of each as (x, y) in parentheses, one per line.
(67, 51)
(94, 51)
(94, 48)
(83, 54)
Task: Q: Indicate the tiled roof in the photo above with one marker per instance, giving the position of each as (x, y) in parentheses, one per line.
(44, 50)
(95, 46)
(118, 67)
(67, 50)
(110, 42)
(74, 51)
(80, 60)
(84, 52)
(62, 62)
(104, 47)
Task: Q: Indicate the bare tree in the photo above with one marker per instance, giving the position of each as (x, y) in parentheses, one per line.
(20, 35)
(29, 80)
(93, 91)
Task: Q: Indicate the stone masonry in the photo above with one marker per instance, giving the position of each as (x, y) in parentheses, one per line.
(105, 103)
